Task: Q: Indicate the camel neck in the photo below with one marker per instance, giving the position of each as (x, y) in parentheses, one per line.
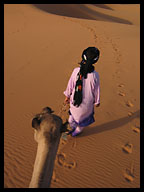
(44, 163)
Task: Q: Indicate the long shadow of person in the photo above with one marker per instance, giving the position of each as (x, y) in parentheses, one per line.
(109, 125)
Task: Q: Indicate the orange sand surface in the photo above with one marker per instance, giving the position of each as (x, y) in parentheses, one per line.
(42, 46)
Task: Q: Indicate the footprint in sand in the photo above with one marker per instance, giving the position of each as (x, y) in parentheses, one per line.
(54, 178)
(121, 94)
(129, 173)
(129, 104)
(117, 72)
(130, 114)
(117, 61)
(63, 141)
(74, 144)
(127, 148)
(121, 85)
(128, 176)
(136, 129)
(61, 159)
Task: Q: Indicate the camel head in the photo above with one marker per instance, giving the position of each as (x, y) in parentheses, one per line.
(48, 126)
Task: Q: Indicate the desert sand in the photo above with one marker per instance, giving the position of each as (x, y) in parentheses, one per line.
(42, 46)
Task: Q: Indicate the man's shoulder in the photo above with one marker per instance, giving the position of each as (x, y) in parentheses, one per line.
(76, 69)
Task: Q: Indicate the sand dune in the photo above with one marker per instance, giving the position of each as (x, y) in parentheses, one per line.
(42, 45)
(81, 11)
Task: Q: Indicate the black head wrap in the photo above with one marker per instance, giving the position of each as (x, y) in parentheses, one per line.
(89, 57)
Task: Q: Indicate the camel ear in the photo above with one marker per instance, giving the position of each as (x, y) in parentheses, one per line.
(35, 123)
(64, 127)
(47, 110)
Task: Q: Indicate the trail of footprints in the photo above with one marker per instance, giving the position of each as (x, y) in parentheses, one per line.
(62, 161)
(61, 157)
(128, 147)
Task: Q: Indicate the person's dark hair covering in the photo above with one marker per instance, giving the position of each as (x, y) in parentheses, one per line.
(89, 57)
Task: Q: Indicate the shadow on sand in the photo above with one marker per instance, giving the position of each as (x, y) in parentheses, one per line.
(103, 6)
(80, 11)
(109, 125)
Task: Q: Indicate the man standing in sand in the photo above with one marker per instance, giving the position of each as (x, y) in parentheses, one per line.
(83, 92)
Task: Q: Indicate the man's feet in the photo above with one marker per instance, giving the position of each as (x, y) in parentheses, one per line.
(71, 131)
(77, 131)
